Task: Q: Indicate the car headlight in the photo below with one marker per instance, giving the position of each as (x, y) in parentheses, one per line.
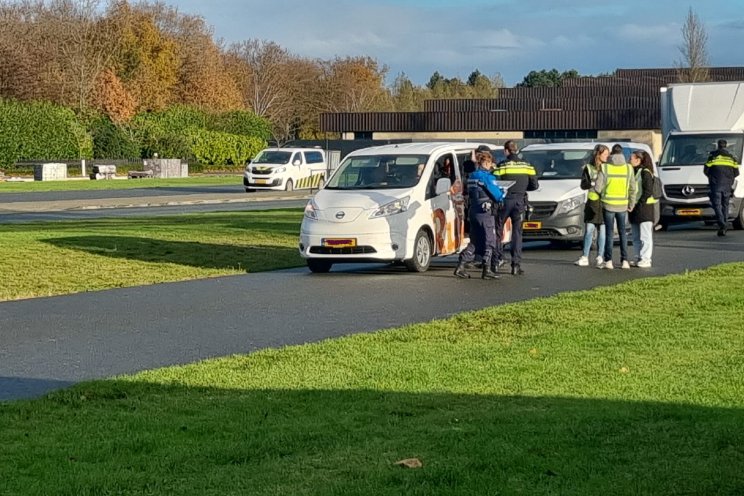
(568, 205)
(279, 170)
(392, 208)
(311, 210)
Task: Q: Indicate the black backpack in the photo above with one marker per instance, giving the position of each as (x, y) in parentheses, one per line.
(657, 191)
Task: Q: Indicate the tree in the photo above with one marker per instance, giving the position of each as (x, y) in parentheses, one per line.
(551, 78)
(693, 66)
(406, 96)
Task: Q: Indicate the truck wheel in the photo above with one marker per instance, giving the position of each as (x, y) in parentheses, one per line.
(289, 186)
(421, 253)
(319, 266)
(739, 220)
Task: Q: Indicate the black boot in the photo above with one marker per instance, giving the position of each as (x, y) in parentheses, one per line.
(488, 272)
(517, 270)
(461, 272)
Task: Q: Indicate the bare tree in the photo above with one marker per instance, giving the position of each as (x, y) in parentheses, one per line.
(693, 66)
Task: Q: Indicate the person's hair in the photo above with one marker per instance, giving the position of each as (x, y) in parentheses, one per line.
(484, 157)
(510, 147)
(616, 149)
(722, 143)
(645, 158)
(598, 150)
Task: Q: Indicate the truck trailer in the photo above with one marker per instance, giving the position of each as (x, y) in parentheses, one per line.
(694, 116)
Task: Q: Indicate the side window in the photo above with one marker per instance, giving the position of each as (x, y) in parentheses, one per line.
(313, 157)
(444, 167)
(295, 157)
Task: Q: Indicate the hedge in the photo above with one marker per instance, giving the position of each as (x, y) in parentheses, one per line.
(216, 148)
(41, 131)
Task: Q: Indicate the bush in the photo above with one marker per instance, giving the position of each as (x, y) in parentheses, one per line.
(216, 148)
(113, 142)
(40, 130)
(243, 123)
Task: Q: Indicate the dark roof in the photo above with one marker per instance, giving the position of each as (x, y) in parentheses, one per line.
(629, 99)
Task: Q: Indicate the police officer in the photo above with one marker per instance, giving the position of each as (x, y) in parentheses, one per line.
(721, 170)
(484, 195)
(515, 204)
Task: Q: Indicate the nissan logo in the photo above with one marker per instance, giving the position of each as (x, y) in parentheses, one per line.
(340, 215)
(688, 190)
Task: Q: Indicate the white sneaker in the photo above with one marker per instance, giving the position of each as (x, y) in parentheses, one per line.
(644, 264)
(599, 261)
(607, 265)
(625, 264)
(582, 262)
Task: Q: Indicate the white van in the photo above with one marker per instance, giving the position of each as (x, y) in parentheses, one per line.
(557, 207)
(389, 203)
(286, 169)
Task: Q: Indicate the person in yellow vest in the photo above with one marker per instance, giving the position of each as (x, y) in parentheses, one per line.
(721, 170)
(593, 218)
(616, 186)
(643, 214)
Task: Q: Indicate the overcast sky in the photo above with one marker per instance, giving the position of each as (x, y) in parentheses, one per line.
(509, 37)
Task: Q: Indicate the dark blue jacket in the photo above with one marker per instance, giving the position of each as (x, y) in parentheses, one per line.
(482, 187)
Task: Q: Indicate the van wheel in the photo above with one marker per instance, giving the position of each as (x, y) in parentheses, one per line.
(421, 253)
(739, 220)
(289, 186)
(319, 266)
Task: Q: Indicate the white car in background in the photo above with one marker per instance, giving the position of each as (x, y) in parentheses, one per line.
(286, 169)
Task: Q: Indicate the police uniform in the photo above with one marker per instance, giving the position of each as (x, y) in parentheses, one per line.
(721, 169)
(484, 194)
(515, 205)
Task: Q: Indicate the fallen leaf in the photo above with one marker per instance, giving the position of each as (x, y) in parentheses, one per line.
(624, 370)
(410, 463)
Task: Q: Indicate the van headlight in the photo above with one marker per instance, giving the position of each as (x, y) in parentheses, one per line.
(568, 205)
(279, 170)
(311, 210)
(392, 208)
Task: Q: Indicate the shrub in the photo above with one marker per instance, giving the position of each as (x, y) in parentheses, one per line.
(243, 123)
(216, 148)
(112, 142)
(41, 130)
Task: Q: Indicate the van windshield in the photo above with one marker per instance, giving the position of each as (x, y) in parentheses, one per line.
(693, 149)
(272, 157)
(558, 164)
(378, 172)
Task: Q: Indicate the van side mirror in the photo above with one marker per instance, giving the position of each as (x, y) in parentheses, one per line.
(297, 163)
(443, 186)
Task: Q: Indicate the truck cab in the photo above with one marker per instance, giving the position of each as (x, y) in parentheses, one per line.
(694, 116)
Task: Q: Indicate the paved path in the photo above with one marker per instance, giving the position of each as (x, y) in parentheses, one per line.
(51, 342)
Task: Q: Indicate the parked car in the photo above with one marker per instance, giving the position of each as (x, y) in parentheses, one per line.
(286, 169)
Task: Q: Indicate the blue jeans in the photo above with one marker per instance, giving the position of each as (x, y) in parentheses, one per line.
(610, 218)
(589, 237)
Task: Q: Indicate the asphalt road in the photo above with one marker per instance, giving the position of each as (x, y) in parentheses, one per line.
(55, 196)
(49, 343)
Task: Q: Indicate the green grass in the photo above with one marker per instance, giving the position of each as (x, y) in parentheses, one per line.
(53, 258)
(25, 187)
(625, 390)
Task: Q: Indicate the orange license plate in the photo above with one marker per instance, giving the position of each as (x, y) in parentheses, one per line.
(529, 224)
(339, 242)
(689, 211)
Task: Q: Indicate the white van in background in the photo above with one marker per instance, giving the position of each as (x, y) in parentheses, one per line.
(286, 169)
(392, 203)
(557, 207)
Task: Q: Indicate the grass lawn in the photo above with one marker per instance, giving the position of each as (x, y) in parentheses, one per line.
(565, 395)
(53, 258)
(206, 180)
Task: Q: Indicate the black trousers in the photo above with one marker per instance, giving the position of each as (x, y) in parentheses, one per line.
(513, 208)
(719, 200)
(482, 238)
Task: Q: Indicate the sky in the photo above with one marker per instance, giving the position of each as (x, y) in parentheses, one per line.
(506, 37)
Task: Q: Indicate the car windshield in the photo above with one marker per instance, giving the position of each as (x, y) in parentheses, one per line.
(378, 172)
(693, 149)
(558, 164)
(272, 157)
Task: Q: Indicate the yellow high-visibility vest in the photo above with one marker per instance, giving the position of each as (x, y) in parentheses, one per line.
(592, 195)
(639, 181)
(617, 188)
(514, 168)
(722, 161)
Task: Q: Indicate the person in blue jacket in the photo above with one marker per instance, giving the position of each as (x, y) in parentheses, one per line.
(485, 197)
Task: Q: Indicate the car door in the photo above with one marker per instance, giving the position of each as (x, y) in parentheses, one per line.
(447, 208)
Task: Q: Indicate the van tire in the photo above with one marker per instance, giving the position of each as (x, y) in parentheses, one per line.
(422, 251)
(319, 266)
(739, 220)
(289, 186)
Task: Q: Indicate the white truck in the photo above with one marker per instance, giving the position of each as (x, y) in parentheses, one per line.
(288, 169)
(694, 116)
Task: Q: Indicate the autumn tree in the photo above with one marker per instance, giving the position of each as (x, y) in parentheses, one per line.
(352, 84)
(112, 98)
(693, 66)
